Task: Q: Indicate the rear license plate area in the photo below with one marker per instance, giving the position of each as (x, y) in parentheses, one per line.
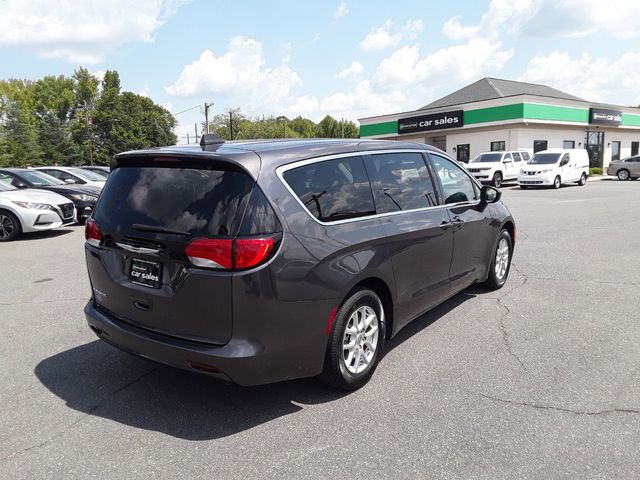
(145, 273)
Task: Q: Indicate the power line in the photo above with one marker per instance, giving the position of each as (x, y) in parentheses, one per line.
(188, 109)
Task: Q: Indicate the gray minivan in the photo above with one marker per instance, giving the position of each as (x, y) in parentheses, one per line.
(261, 261)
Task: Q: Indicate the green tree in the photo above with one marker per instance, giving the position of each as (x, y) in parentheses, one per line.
(19, 146)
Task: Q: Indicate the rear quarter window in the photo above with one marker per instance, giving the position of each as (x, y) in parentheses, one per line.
(333, 189)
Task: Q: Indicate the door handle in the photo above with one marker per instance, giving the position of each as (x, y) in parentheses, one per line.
(458, 222)
(444, 225)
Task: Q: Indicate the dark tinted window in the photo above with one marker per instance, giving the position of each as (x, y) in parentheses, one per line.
(259, 217)
(539, 145)
(517, 157)
(568, 144)
(333, 189)
(497, 146)
(456, 184)
(403, 182)
(200, 202)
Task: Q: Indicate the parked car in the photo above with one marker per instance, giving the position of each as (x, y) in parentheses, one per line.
(496, 167)
(84, 197)
(24, 211)
(263, 261)
(554, 167)
(100, 170)
(625, 169)
(74, 175)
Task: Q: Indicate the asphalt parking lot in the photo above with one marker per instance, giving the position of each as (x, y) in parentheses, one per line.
(538, 380)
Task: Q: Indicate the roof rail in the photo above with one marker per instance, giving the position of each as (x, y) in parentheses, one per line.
(210, 139)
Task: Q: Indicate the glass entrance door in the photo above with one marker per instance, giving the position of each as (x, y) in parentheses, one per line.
(594, 143)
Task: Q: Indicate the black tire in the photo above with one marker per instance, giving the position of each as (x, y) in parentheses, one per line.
(583, 180)
(335, 372)
(10, 227)
(494, 282)
(623, 174)
(524, 187)
(557, 182)
(496, 181)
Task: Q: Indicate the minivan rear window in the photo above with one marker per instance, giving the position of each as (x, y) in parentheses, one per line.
(333, 189)
(200, 202)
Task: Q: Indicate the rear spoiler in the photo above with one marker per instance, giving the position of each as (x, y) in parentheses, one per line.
(242, 160)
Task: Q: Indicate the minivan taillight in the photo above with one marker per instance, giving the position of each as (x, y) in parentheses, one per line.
(229, 254)
(92, 232)
(210, 252)
(249, 252)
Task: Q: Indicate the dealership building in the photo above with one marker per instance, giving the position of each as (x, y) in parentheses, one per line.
(495, 114)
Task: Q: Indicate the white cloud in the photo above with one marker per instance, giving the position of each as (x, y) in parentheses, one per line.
(579, 18)
(363, 101)
(80, 32)
(445, 66)
(388, 36)
(455, 31)
(341, 11)
(353, 70)
(241, 71)
(552, 18)
(595, 79)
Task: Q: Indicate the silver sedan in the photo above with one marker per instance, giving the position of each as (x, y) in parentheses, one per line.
(625, 169)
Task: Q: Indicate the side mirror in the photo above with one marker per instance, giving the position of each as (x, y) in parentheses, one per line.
(489, 194)
(506, 160)
(69, 181)
(20, 185)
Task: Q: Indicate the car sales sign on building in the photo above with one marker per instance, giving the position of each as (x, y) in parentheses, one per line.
(605, 116)
(434, 121)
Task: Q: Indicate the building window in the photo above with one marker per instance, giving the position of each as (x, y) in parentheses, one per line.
(615, 151)
(498, 146)
(635, 148)
(462, 153)
(539, 145)
(568, 144)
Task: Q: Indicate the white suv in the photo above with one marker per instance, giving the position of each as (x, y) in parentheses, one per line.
(496, 167)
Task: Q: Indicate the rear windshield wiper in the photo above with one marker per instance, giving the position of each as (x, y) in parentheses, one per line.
(155, 228)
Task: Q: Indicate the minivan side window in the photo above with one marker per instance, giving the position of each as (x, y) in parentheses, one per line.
(456, 184)
(402, 180)
(333, 189)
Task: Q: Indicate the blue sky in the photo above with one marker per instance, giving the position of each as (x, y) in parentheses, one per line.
(348, 59)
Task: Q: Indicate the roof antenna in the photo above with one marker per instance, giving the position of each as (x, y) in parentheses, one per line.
(210, 139)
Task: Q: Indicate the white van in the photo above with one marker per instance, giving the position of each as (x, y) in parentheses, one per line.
(496, 167)
(555, 166)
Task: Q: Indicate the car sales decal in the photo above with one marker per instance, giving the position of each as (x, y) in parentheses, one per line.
(434, 121)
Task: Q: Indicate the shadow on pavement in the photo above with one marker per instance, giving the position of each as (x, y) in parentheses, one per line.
(25, 237)
(100, 380)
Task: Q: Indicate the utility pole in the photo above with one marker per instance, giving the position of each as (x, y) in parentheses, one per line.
(206, 115)
(342, 125)
(230, 125)
(187, 138)
(195, 126)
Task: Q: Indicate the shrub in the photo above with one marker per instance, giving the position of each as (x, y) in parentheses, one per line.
(595, 171)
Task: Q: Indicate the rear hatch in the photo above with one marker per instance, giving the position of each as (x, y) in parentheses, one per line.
(157, 232)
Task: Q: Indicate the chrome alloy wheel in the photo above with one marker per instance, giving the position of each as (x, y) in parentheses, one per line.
(502, 259)
(6, 226)
(360, 339)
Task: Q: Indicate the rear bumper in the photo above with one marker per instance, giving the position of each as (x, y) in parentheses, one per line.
(242, 361)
